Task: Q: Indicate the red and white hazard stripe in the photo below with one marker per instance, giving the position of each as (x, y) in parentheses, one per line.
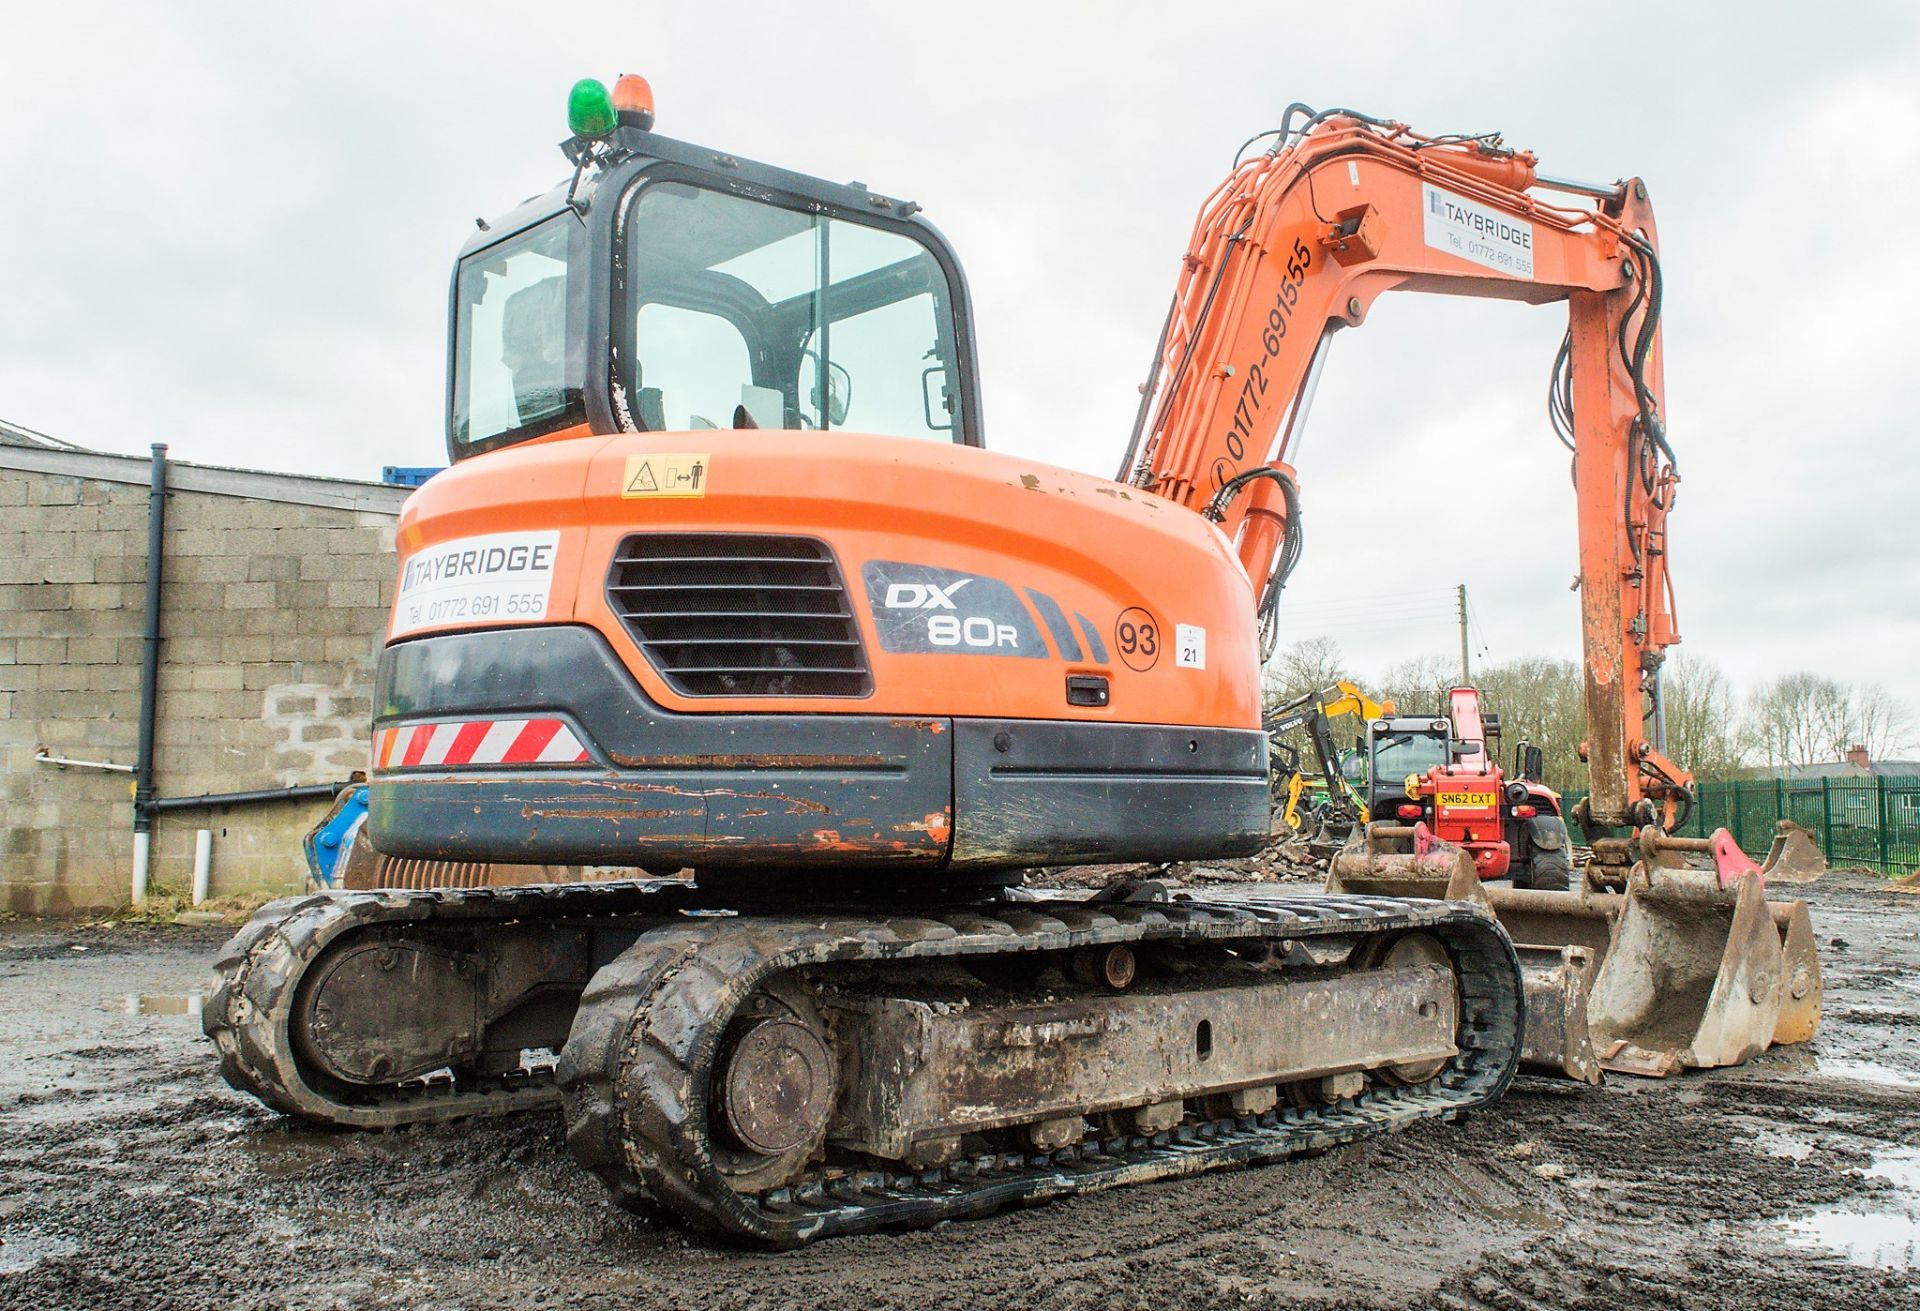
(478, 742)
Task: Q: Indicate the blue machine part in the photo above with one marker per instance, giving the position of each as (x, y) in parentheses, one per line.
(328, 841)
(404, 475)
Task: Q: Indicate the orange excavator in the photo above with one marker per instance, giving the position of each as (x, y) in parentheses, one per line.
(722, 591)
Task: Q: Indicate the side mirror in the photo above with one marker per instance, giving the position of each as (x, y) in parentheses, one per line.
(839, 388)
(1533, 764)
(936, 399)
(839, 393)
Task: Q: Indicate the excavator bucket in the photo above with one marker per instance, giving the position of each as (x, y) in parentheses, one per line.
(1440, 873)
(1562, 939)
(1801, 987)
(1688, 968)
(1695, 975)
(1794, 857)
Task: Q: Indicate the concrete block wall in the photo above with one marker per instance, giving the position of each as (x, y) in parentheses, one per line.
(275, 595)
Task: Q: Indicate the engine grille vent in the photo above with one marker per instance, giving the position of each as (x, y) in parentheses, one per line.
(737, 614)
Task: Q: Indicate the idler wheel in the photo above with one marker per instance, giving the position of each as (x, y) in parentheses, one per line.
(1414, 949)
(775, 1092)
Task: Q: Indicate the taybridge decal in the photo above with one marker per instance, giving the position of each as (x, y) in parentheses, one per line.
(926, 609)
(486, 579)
(1474, 232)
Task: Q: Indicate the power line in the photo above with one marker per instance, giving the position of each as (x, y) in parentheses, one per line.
(1473, 618)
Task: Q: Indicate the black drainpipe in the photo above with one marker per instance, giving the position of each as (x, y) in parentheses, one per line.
(149, 675)
(258, 796)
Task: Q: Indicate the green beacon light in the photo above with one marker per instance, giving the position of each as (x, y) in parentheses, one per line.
(590, 109)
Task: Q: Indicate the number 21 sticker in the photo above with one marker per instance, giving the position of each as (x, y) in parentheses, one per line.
(1137, 633)
(1189, 646)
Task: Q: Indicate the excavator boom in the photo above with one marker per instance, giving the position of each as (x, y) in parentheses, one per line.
(1295, 246)
(1291, 249)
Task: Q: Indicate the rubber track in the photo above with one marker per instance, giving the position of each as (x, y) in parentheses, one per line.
(636, 1069)
(259, 970)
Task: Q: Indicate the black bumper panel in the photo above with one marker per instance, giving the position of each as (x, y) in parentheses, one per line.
(1046, 792)
(739, 791)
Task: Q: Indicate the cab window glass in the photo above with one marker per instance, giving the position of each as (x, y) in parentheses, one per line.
(511, 344)
(746, 313)
(707, 357)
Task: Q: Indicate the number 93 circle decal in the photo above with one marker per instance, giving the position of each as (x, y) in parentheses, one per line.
(1137, 634)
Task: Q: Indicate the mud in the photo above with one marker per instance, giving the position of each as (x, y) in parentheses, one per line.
(130, 1176)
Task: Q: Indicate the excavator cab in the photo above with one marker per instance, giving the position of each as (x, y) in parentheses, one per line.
(736, 564)
(672, 288)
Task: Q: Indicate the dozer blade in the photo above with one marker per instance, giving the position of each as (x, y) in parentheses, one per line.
(1793, 857)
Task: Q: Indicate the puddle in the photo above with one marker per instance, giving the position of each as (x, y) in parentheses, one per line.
(184, 1004)
(1473, 1196)
(1866, 1072)
(1782, 1145)
(24, 1251)
(280, 1152)
(1887, 1237)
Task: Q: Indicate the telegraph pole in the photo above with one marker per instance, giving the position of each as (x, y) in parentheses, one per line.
(1466, 673)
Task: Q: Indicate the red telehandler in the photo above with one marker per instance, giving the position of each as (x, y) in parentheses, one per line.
(1438, 772)
(722, 579)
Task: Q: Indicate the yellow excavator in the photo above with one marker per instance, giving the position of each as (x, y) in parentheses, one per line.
(1334, 803)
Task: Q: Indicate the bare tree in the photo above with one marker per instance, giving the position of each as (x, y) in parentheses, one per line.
(1418, 686)
(1541, 701)
(1799, 719)
(1304, 666)
(1703, 721)
(1879, 722)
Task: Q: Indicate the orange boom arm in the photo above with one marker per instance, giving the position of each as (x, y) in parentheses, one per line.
(1298, 241)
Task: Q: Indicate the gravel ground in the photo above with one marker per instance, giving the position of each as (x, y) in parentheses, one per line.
(131, 1176)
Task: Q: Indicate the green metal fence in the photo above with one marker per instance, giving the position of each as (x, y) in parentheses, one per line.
(1872, 822)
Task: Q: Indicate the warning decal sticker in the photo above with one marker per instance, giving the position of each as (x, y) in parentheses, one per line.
(477, 580)
(668, 473)
(1474, 232)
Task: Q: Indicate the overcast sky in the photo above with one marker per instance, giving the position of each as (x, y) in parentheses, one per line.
(230, 228)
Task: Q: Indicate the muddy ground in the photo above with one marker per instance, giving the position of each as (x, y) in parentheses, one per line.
(130, 1176)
